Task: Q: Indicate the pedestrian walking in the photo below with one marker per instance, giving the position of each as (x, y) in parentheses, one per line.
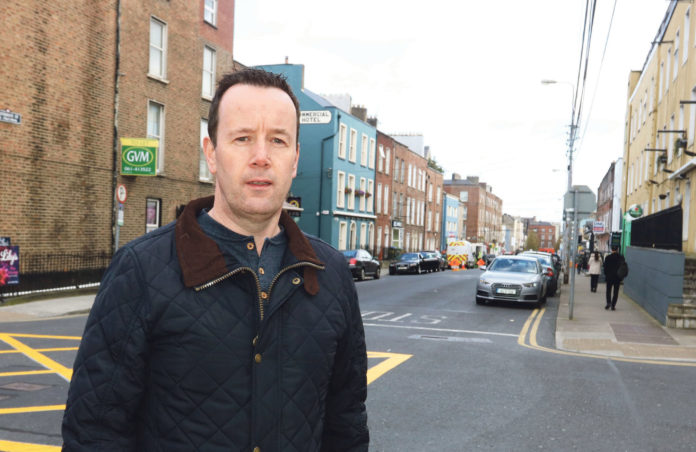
(611, 267)
(595, 268)
(228, 329)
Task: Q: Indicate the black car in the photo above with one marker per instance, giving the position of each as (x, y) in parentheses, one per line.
(408, 263)
(362, 264)
(431, 261)
(441, 259)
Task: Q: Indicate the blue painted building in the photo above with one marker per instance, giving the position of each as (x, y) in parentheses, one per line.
(450, 219)
(336, 172)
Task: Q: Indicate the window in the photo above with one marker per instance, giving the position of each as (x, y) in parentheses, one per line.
(387, 161)
(353, 144)
(670, 142)
(158, 48)
(687, 24)
(438, 196)
(363, 195)
(340, 189)
(152, 214)
(380, 158)
(370, 192)
(662, 81)
(210, 12)
(208, 89)
(363, 235)
(342, 235)
(203, 170)
(410, 175)
(430, 193)
(676, 56)
(667, 66)
(351, 194)
(342, 141)
(379, 241)
(363, 150)
(464, 212)
(681, 127)
(437, 221)
(371, 157)
(353, 231)
(155, 129)
(464, 196)
(396, 205)
(378, 200)
(386, 200)
(403, 170)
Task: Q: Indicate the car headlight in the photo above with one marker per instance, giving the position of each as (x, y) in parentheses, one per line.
(530, 284)
(485, 282)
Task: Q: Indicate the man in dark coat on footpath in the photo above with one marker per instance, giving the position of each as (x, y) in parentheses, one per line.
(229, 329)
(611, 266)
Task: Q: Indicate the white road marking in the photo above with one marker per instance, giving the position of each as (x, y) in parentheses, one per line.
(445, 330)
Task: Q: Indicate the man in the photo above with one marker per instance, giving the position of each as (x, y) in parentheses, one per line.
(229, 329)
(611, 265)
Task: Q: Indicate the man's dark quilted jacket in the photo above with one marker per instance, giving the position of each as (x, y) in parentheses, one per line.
(180, 354)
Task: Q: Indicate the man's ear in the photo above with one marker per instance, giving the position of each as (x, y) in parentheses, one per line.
(209, 151)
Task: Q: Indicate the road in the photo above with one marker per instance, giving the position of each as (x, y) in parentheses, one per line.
(444, 372)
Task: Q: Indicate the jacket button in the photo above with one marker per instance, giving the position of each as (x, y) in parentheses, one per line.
(264, 295)
(257, 358)
(296, 281)
(254, 341)
(250, 245)
(261, 271)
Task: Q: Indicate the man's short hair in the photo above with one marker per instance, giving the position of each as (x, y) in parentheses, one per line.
(615, 248)
(253, 77)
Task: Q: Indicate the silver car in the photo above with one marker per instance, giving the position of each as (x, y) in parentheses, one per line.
(512, 278)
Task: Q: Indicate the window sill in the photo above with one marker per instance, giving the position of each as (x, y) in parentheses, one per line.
(210, 24)
(158, 79)
(206, 181)
(208, 98)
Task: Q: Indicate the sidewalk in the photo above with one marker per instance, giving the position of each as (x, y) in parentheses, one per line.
(628, 332)
(37, 310)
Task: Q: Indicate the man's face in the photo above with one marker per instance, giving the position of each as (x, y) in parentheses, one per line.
(256, 155)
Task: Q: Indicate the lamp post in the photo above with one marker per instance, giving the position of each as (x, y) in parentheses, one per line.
(571, 141)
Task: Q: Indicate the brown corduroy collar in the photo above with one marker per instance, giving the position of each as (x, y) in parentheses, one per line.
(201, 260)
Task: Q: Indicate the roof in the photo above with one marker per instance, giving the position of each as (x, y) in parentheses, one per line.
(318, 99)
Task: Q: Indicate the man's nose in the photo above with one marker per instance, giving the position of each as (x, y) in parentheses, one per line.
(261, 153)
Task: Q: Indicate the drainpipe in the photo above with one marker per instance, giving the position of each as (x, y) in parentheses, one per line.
(114, 179)
(321, 174)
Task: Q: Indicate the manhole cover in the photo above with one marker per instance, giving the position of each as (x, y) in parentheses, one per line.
(21, 386)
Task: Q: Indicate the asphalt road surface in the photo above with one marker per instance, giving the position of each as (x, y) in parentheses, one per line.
(444, 373)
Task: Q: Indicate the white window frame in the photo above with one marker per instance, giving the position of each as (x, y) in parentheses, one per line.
(363, 188)
(160, 48)
(387, 160)
(340, 189)
(208, 72)
(151, 226)
(151, 133)
(380, 158)
(352, 145)
(662, 82)
(370, 192)
(371, 155)
(342, 131)
(681, 127)
(351, 196)
(353, 235)
(438, 196)
(363, 235)
(667, 67)
(670, 143)
(378, 199)
(204, 174)
(363, 150)
(386, 200)
(210, 12)
(676, 56)
(342, 235)
(687, 30)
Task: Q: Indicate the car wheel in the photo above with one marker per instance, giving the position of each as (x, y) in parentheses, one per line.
(378, 273)
(362, 275)
(418, 270)
(392, 271)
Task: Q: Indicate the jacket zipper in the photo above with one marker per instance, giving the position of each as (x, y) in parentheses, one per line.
(258, 282)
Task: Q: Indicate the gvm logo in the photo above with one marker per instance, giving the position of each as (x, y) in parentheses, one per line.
(139, 156)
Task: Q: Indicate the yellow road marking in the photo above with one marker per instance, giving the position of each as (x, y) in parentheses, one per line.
(26, 372)
(534, 346)
(45, 336)
(42, 350)
(10, 446)
(36, 356)
(32, 409)
(393, 360)
(535, 328)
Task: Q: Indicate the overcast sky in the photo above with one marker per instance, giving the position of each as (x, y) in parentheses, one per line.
(466, 75)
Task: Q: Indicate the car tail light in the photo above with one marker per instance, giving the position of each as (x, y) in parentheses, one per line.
(353, 261)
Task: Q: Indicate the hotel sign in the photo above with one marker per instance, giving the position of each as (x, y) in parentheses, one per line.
(315, 117)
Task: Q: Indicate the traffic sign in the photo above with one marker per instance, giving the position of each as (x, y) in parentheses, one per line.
(121, 193)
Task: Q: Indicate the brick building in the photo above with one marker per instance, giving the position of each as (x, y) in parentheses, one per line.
(605, 204)
(383, 205)
(546, 233)
(482, 211)
(83, 75)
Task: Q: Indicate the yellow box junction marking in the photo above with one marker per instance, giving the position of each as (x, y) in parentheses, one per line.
(10, 446)
(393, 360)
(35, 355)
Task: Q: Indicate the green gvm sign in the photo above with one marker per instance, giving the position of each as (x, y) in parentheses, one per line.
(139, 156)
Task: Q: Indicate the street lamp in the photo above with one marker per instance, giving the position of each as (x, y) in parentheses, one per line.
(571, 142)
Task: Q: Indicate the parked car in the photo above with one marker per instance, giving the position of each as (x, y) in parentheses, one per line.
(512, 278)
(550, 270)
(432, 261)
(442, 259)
(362, 264)
(408, 263)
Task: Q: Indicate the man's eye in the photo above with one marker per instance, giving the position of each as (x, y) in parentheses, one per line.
(242, 139)
(278, 141)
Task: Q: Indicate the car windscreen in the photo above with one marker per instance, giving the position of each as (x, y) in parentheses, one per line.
(349, 253)
(513, 265)
(409, 256)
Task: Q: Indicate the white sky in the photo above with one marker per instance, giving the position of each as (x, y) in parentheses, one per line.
(466, 74)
